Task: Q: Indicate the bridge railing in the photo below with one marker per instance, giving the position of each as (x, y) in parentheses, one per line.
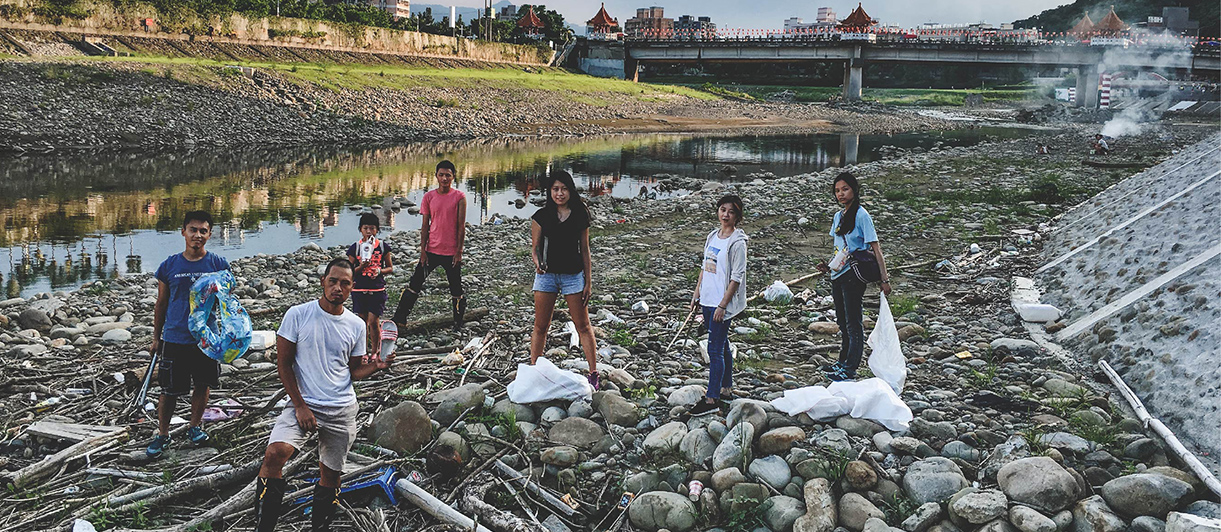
(1025, 37)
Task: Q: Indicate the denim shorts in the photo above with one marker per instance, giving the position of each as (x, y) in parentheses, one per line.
(559, 283)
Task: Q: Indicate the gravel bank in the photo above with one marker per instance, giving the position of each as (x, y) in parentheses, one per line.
(1003, 438)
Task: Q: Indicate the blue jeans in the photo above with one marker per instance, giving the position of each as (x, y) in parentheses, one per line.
(720, 361)
(847, 292)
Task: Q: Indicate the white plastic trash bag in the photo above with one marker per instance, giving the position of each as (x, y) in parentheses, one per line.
(875, 400)
(733, 351)
(887, 361)
(778, 292)
(816, 401)
(1038, 312)
(545, 382)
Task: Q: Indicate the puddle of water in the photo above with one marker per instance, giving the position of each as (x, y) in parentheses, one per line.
(70, 218)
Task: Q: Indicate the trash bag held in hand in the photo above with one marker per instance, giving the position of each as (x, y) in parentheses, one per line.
(887, 361)
(545, 382)
(217, 320)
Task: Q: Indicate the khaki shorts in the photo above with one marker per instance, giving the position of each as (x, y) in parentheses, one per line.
(336, 432)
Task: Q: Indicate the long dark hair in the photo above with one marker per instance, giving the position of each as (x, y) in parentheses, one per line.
(847, 222)
(574, 197)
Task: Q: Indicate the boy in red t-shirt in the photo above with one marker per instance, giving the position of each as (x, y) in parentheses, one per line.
(372, 261)
(442, 237)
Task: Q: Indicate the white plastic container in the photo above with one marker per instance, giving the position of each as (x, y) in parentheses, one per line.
(260, 340)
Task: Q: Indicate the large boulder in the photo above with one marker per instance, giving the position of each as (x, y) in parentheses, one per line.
(404, 428)
(577, 432)
(933, 480)
(779, 441)
(615, 409)
(1093, 515)
(665, 439)
(855, 509)
(1146, 494)
(1181, 522)
(687, 395)
(821, 512)
(725, 479)
(519, 412)
(979, 507)
(746, 411)
(452, 403)
(735, 448)
(32, 318)
(860, 476)
(561, 456)
(697, 446)
(1028, 519)
(771, 469)
(927, 515)
(1040, 482)
(781, 511)
(657, 510)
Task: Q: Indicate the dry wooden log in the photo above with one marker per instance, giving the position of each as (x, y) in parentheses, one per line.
(159, 495)
(53, 463)
(413, 327)
(524, 482)
(434, 507)
(500, 521)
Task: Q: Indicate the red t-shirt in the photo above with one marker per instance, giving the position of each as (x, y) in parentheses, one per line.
(442, 210)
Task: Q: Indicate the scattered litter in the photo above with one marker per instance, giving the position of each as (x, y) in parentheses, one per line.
(640, 307)
(778, 293)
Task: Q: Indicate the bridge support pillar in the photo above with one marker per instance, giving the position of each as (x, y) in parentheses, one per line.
(1087, 86)
(853, 74)
(849, 144)
(631, 69)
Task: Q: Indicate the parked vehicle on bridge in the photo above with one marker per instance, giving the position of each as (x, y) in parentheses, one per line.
(1118, 42)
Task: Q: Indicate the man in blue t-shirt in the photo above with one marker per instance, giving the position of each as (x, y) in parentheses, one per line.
(182, 362)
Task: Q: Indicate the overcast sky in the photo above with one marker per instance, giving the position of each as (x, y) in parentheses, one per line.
(770, 14)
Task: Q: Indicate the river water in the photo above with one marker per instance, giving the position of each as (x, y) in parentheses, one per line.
(69, 218)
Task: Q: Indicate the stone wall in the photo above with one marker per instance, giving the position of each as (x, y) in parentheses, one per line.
(145, 21)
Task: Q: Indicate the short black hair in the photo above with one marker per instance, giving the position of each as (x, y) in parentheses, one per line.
(735, 200)
(340, 262)
(202, 216)
(369, 218)
(446, 164)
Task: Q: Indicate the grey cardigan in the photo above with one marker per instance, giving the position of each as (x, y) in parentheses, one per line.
(736, 256)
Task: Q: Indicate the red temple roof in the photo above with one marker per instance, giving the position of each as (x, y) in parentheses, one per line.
(1085, 25)
(858, 19)
(602, 19)
(1110, 22)
(529, 19)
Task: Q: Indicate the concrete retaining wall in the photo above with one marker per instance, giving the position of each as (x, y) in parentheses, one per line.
(603, 68)
(105, 19)
(1165, 344)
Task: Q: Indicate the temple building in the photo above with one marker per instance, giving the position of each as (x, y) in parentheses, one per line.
(1110, 23)
(529, 22)
(601, 23)
(1085, 25)
(858, 19)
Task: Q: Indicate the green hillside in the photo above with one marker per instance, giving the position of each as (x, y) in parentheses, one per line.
(1131, 11)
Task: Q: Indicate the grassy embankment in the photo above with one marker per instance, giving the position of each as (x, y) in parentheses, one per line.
(336, 77)
(940, 97)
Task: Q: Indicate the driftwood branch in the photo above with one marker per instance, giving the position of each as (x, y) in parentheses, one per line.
(53, 463)
(434, 507)
(515, 476)
(500, 521)
(159, 495)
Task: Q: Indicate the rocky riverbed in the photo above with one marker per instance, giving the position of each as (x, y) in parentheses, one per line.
(1006, 436)
(57, 104)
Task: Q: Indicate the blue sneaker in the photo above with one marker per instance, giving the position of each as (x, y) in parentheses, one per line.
(841, 374)
(832, 368)
(197, 435)
(159, 444)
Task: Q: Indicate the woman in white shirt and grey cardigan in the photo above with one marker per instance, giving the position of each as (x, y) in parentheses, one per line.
(721, 293)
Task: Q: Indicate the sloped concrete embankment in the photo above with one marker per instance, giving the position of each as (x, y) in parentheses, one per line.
(1136, 271)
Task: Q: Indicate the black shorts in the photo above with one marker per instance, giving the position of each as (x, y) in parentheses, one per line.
(369, 302)
(182, 364)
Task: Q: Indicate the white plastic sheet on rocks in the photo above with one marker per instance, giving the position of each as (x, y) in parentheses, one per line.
(545, 382)
(871, 399)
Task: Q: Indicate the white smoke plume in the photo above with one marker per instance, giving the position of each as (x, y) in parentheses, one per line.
(1130, 121)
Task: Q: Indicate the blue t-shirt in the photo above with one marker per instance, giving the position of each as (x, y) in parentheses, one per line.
(179, 274)
(856, 240)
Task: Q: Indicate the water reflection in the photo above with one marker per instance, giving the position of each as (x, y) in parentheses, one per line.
(72, 217)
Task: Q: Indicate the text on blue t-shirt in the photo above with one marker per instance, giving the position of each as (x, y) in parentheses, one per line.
(857, 239)
(179, 274)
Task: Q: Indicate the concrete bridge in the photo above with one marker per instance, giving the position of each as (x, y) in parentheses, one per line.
(1089, 61)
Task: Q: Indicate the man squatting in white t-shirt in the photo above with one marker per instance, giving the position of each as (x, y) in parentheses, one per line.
(320, 350)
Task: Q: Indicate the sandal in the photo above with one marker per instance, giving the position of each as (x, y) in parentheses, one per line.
(389, 334)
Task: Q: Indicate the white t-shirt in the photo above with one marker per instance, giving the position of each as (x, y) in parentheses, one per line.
(325, 342)
(716, 272)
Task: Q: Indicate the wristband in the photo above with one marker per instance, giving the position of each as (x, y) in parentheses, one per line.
(721, 307)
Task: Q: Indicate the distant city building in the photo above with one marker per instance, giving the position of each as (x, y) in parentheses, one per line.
(395, 8)
(826, 16)
(509, 11)
(649, 20)
(826, 19)
(695, 27)
(602, 23)
(1174, 21)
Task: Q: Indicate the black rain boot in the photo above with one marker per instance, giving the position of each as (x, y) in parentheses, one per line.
(406, 303)
(268, 498)
(326, 500)
(459, 312)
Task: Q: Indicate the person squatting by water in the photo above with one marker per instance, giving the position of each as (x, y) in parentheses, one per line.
(720, 292)
(320, 350)
(182, 363)
(442, 237)
(852, 231)
(559, 236)
(372, 261)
